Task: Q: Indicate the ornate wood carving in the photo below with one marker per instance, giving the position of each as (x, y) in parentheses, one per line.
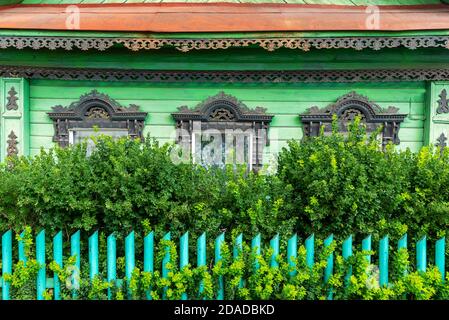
(96, 109)
(185, 45)
(311, 76)
(224, 111)
(443, 102)
(12, 142)
(441, 141)
(12, 99)
(347, 108)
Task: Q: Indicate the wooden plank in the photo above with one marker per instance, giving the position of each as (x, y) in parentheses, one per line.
(57, 257)
(40, 258)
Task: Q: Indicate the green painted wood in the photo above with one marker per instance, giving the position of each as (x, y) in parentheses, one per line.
(6, 262)
(440, 261)
(57, 257)
(21, 248)
(366, 246)
(148, 257)
(93, 255)
(238, 252)
(383, 261)
(165, 262)
(346, 253)
(40, 258)
(201, 255)
(75, 250)
(218, 257)
(184, 255)
(256, 249)
(274, 245)
(111, 252)
(292, 253)
(421, 254)
(329, 265)
(310, 250)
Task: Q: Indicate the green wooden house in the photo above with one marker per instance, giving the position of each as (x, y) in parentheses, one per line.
(250, 74)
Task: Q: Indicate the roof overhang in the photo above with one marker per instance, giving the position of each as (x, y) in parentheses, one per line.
(222, 17)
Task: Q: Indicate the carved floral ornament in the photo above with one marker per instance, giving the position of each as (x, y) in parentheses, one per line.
(96, 109)
(347, 108)
(224, 112)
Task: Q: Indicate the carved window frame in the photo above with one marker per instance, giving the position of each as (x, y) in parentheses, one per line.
(346, 108)
(96, 109)
(221, 112)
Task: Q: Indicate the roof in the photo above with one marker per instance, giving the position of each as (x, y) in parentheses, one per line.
(334, 2)
(223, 17)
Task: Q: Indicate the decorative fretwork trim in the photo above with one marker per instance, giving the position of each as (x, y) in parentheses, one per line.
(12, 99)
(96, 109)
(12, 142)
(311, 76)
(185, 45)
(346, 108)
(443, 102)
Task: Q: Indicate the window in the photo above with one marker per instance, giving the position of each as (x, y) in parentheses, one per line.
(77, 121)
(222, 130)
(347, 108)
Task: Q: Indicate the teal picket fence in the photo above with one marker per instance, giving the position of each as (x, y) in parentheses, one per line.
(46, 281)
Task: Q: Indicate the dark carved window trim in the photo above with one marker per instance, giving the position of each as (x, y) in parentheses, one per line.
(346, 108)
(224, 111)
(96, 109)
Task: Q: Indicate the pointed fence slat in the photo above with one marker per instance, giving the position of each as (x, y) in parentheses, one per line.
(255, 248)
(366, 246)
(57, 257)
(111, 257)
(129, 255)
(40, 258)
(383, 261)
(201, 256)
(218, 243)
(274, 245)
(421, 259)
(21, 247)
(93, 255)
(148, 257)
(75, 250)
(238, 251)
(6, 262)
(347, 252)
(402, 243)
(165, 262)
(184, 256)
(330, 264)
(440, 248)
(310, 250)
(292, 254)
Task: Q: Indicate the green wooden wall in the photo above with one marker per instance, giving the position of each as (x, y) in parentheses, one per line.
(285, 101)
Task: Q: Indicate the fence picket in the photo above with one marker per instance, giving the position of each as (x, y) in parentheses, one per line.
(421, 254)
(292, 253)
(184, 255)
(218, 243)
(310, 250)
(330, 264)
(165, 262)
(402, 243)
(21, 247)
(111, 257)
(383, 261)
(57, 257)
(129, 259)
(347, 252)
(75, 250)
(274, 245)
(40, 258)
(255, 248)
(93, 255)
(440, 248)
(6, 262)
(148, 257)
(238, 250)
(366, 246)
(201, 256)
